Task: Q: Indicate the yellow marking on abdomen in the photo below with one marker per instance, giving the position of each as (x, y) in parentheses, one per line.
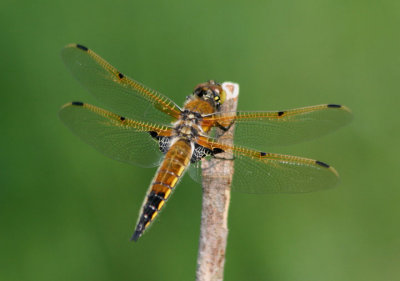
(160, 205)
(173, 182)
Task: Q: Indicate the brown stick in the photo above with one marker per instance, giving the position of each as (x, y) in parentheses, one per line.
(217, 177)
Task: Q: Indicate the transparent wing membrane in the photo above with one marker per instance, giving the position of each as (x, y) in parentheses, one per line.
(115, 90)
(117, 137)
(261, 130)
(281, 173)
(259, 172)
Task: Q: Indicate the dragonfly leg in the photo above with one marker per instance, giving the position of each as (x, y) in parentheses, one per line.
(224, 128)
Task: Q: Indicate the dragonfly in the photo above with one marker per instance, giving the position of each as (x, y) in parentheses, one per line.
(150, 130)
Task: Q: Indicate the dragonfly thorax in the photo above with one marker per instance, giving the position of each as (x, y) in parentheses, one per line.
(187, 126)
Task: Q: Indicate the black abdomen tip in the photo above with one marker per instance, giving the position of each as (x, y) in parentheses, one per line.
(322, 164)
(77, 103)
(79, 46)
(136, 236)
(334, 105)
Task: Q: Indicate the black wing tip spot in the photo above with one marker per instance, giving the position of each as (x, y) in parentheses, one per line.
(122, 118)
(263, 153)
(334, 105)
(120, 75)
(322, 164)
(77, 103)
(83, 48)
(217, 150)
(280, 113)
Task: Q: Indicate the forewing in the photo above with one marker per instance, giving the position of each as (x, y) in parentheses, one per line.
(263, 129)
(260, 172)
(115, 90)
(117, 137)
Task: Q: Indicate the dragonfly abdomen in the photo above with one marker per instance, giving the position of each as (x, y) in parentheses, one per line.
(168, 174)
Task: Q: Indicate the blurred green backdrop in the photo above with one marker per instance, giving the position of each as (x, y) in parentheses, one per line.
(67, 212)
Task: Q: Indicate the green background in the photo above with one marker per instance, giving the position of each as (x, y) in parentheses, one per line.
(67, 212)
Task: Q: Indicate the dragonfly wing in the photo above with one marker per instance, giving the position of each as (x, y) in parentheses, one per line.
(260, 172)
(114, 89)
(195, 171)
(266, 128)
(117, 137)
(281, 173)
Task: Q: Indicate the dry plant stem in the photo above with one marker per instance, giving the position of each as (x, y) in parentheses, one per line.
(217, 177)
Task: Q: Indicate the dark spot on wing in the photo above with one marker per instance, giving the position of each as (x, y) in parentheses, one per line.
(262, 153)
(280, 113)
(322, 164)
(153, 134)
(83, 48)
(217, 150)
(120, 75)
(334, 105)
(77, 103)
(122, 118)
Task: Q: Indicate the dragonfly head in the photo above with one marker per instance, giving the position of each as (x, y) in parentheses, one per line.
(211, 92)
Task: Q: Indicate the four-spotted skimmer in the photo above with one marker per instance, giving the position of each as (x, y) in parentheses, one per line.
(150, 130)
